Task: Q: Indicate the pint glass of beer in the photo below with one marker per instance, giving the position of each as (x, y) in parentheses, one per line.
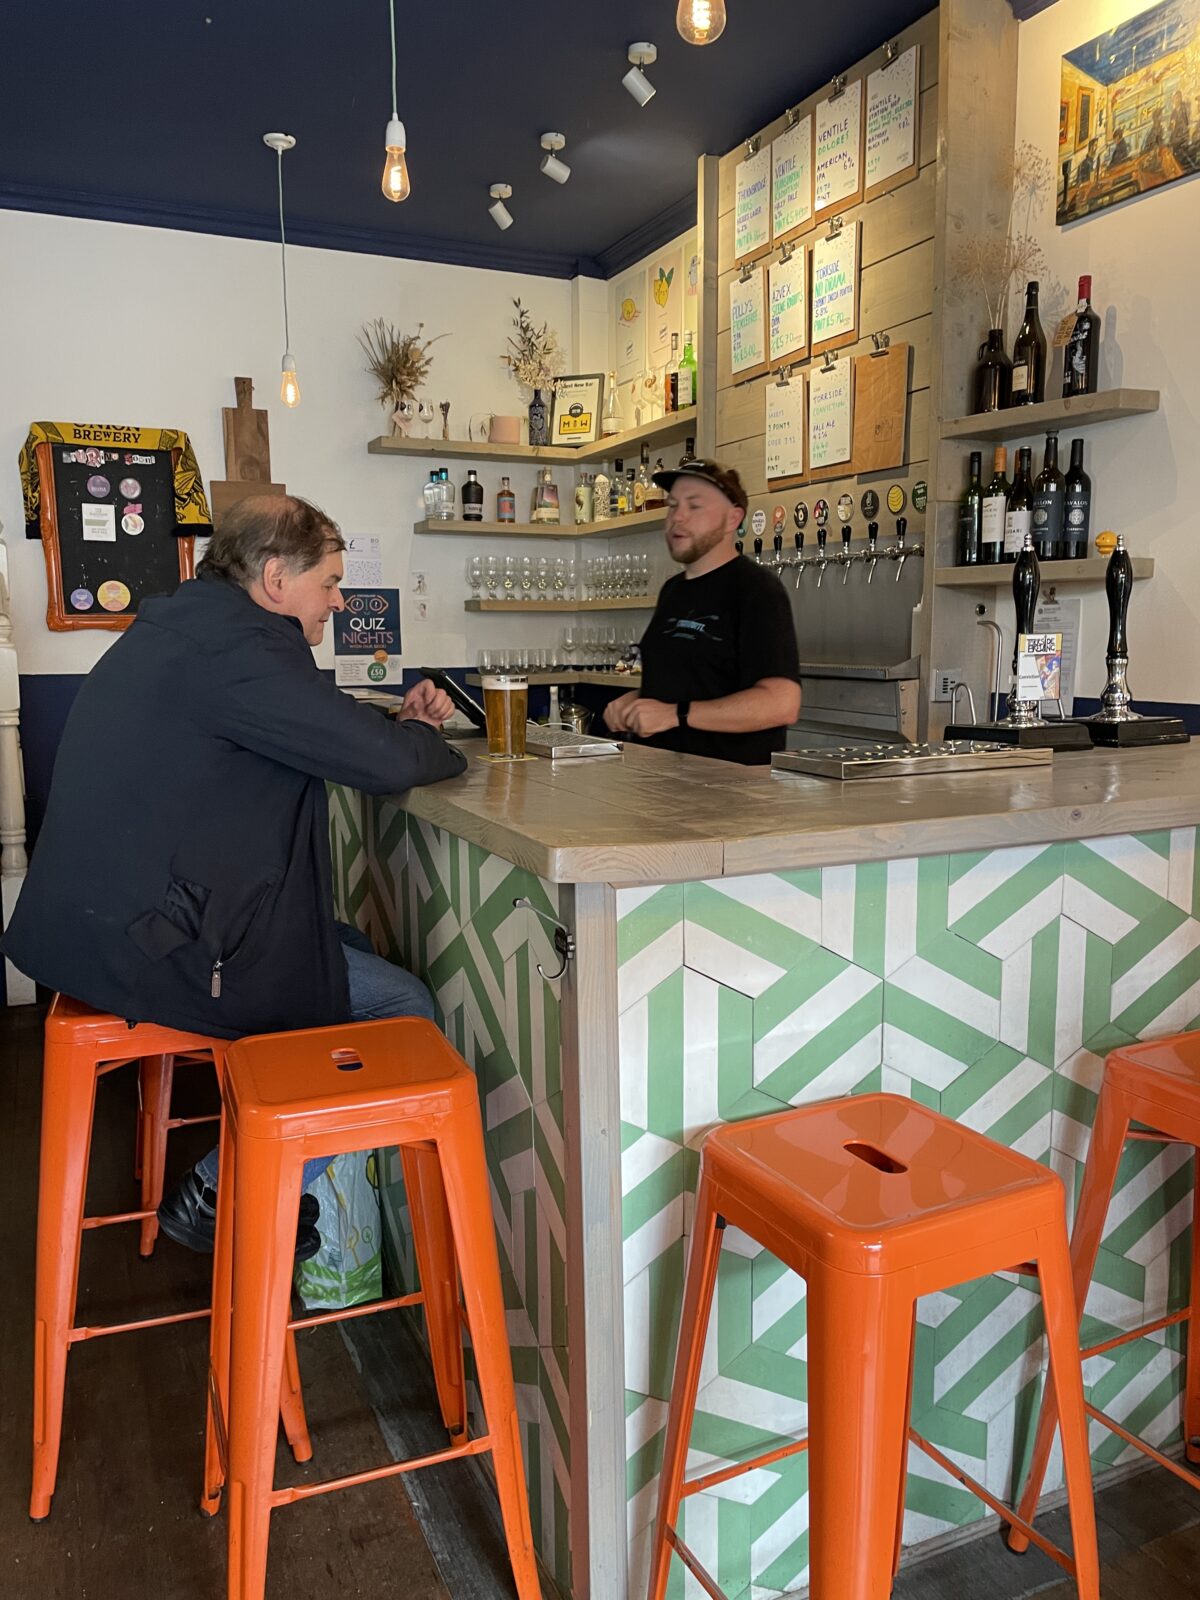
(506, 705)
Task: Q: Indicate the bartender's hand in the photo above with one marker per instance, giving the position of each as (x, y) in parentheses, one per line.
(645, 718)
(424, 702)
(616, 712)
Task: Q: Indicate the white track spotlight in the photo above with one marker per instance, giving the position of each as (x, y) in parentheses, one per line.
(635, 80)
(552, 143)
(498, 211)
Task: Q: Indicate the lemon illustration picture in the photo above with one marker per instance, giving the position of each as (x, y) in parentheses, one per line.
(629, 310)
(662, 286)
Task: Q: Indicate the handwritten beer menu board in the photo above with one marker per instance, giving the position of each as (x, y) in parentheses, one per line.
(752, 207)
(787, 290)
(108, 524)
(791, 181)
(830, 415)
(838, 162)
(891, 141)
(835, 289)
(747, 325)
(785, 428)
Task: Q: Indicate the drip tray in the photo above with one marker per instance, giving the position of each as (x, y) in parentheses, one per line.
(906, 760)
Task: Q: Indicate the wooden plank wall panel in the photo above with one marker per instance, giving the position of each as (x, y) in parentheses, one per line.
(896, 293)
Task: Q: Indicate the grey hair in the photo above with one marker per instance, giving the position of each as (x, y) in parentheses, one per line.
(261, 527)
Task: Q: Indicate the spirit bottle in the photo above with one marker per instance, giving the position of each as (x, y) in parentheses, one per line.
(689, 451)
(656, 495)
(545, 498)
(506, 502)
(1083, 347)
(472, 498)
(620, 490)
(995, 498)
(673, 375)
(1029, 355)
(687, 389)
(446, 497)
(430, 496)
(1078, 520)
(642, 485)
(1048, 506)
(613, 421)
(970, 515)
(584, 498)
(1018, 515)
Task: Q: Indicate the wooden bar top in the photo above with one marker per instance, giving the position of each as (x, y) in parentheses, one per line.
(654, 817)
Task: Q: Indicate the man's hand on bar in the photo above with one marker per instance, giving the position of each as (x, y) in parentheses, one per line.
(616, 712)
(426, 703)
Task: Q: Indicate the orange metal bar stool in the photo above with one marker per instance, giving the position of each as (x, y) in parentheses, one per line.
(1156, 1084)
(156, 1078)
(323, 1092)
(81, 1045)
(874, 1201)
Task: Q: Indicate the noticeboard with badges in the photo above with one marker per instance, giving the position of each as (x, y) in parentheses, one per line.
(117, 510)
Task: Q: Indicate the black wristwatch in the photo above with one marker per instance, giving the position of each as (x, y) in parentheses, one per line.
(682, 710)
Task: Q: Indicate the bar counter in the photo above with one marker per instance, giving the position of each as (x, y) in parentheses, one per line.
(742, 943)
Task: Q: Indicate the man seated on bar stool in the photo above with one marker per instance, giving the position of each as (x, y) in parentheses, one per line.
(720, 665)
(182, 874)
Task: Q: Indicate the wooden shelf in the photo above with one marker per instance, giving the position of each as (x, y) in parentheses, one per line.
(571, 677)
(626, 445)
(999, 575)
(559, 607)
(1077, 412)
(612, 527)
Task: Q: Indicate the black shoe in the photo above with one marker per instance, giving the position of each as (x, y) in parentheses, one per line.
(189, 1216)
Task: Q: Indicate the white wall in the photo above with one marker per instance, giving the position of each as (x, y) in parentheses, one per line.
(101, 322)
(1145, 472)
(685, 244)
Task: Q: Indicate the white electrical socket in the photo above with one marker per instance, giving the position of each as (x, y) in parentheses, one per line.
(943, 678)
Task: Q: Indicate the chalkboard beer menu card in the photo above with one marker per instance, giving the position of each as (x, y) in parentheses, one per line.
(116, 510)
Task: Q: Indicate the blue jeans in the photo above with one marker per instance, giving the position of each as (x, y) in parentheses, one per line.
(377, 989)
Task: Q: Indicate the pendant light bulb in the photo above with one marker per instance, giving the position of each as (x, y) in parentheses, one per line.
(700, 21)
(289, 384)
(395, 170)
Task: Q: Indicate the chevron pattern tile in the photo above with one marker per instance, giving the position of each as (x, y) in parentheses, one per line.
(987, 985)
(444, 909)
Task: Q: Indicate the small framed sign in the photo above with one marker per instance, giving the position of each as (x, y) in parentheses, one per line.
(577, 403)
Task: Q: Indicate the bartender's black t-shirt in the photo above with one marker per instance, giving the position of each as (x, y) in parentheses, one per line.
(712, 636)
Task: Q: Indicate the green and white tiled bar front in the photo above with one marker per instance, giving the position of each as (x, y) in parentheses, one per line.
(987, 983)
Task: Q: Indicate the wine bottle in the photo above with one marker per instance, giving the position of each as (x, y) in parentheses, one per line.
(1083, 347)
(689, 450)
(995, 503)
(1029, 355)
(1018, 514)
(686, 388)
(656, 495)
(620, 490)
(506, 502)
(673, 375)
(1078, 503)
(970, 515)
(642, 485)
(472, 498)
(585, 498)
(1049, 505)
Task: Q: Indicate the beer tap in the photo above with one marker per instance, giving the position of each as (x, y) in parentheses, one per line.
(844, 557)
(822, 559)
(799, 560)
(897, 552)
(871, 554)
(777, 558)
(758, 548)
(739, 543)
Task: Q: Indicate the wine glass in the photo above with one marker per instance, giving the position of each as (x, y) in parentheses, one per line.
(510, 577)
(475, 575)
(560, 576)
(542, 576)
(492, 570)
(425, 415)
(526, 576)
(569, 641)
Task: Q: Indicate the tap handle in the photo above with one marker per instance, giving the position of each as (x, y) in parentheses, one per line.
(901, 530)
(847, 535)
(822, 534)
(757, 546)
(872, 535)
(777, 541)
(739, 545)
(799, 541)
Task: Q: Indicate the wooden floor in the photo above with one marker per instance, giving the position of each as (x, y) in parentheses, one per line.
(124, 1524)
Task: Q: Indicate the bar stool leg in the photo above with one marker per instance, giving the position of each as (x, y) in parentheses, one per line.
(1066, 1380)
(291, 1404)
(433, 1244)
(266, 1204)
(1191, 1403)
(464, 1171)
(1099, 1177)
(157, 1077)
(68, 1100)
(859, 1351)
(219, 1332)
(904, 1463)
(704, 1253)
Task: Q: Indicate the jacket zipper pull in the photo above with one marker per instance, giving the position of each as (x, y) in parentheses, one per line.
(216, 979)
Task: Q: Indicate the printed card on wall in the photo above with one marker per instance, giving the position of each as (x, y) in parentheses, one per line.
(747, 325)
(630, 347)
(830, 415)
(752, 208)
(787, 287)
(791, 181)
(784, 441)
(665, 302)
(366, 638)
(835, 289)
(838, 160)
(691, 280)
(891, 139)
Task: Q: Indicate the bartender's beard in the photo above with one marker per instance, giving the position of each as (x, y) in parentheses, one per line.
(685, 549)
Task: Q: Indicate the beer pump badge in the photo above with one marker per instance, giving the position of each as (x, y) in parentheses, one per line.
(366, 639)
(1039, 666)
(758, 523)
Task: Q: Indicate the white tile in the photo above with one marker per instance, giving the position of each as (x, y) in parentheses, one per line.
(1181, 867)
(647, 1243)
(1091, 911)
(971, 1349)
(644, 1157)
(774, 897)
(1068, 1018)
(900, 930)
(949, 994)
(637, 1349)
(650, 967)
(784, 1295)
(701, 1056)
(1036, 914)
(913, 1057)
(837, 909)
(1155, 964)
(634, 1035)
(727, 962)
(850, 1068)
(811, 1018)
(1015, 979)
(1128, 854)
(988, 875)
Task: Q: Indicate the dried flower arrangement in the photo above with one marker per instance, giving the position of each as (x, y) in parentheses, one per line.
(534, 356)
(991, 264)
(399, 362)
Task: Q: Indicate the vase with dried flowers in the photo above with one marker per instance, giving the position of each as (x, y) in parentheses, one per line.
(535, 359)
(399, 363)
(991, 262)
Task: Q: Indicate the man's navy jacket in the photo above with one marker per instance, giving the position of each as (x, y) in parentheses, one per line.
(182, 874)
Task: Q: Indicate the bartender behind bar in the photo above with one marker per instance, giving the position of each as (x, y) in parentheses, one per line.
(720, 667)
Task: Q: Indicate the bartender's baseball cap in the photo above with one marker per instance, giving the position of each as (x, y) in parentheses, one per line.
(723, 478)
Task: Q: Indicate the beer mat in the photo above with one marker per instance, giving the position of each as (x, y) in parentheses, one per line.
(505, 761)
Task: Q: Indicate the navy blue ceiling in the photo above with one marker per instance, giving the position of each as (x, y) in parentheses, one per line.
(153, 112)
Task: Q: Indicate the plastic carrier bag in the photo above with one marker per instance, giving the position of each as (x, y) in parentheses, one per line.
(348, 1268)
